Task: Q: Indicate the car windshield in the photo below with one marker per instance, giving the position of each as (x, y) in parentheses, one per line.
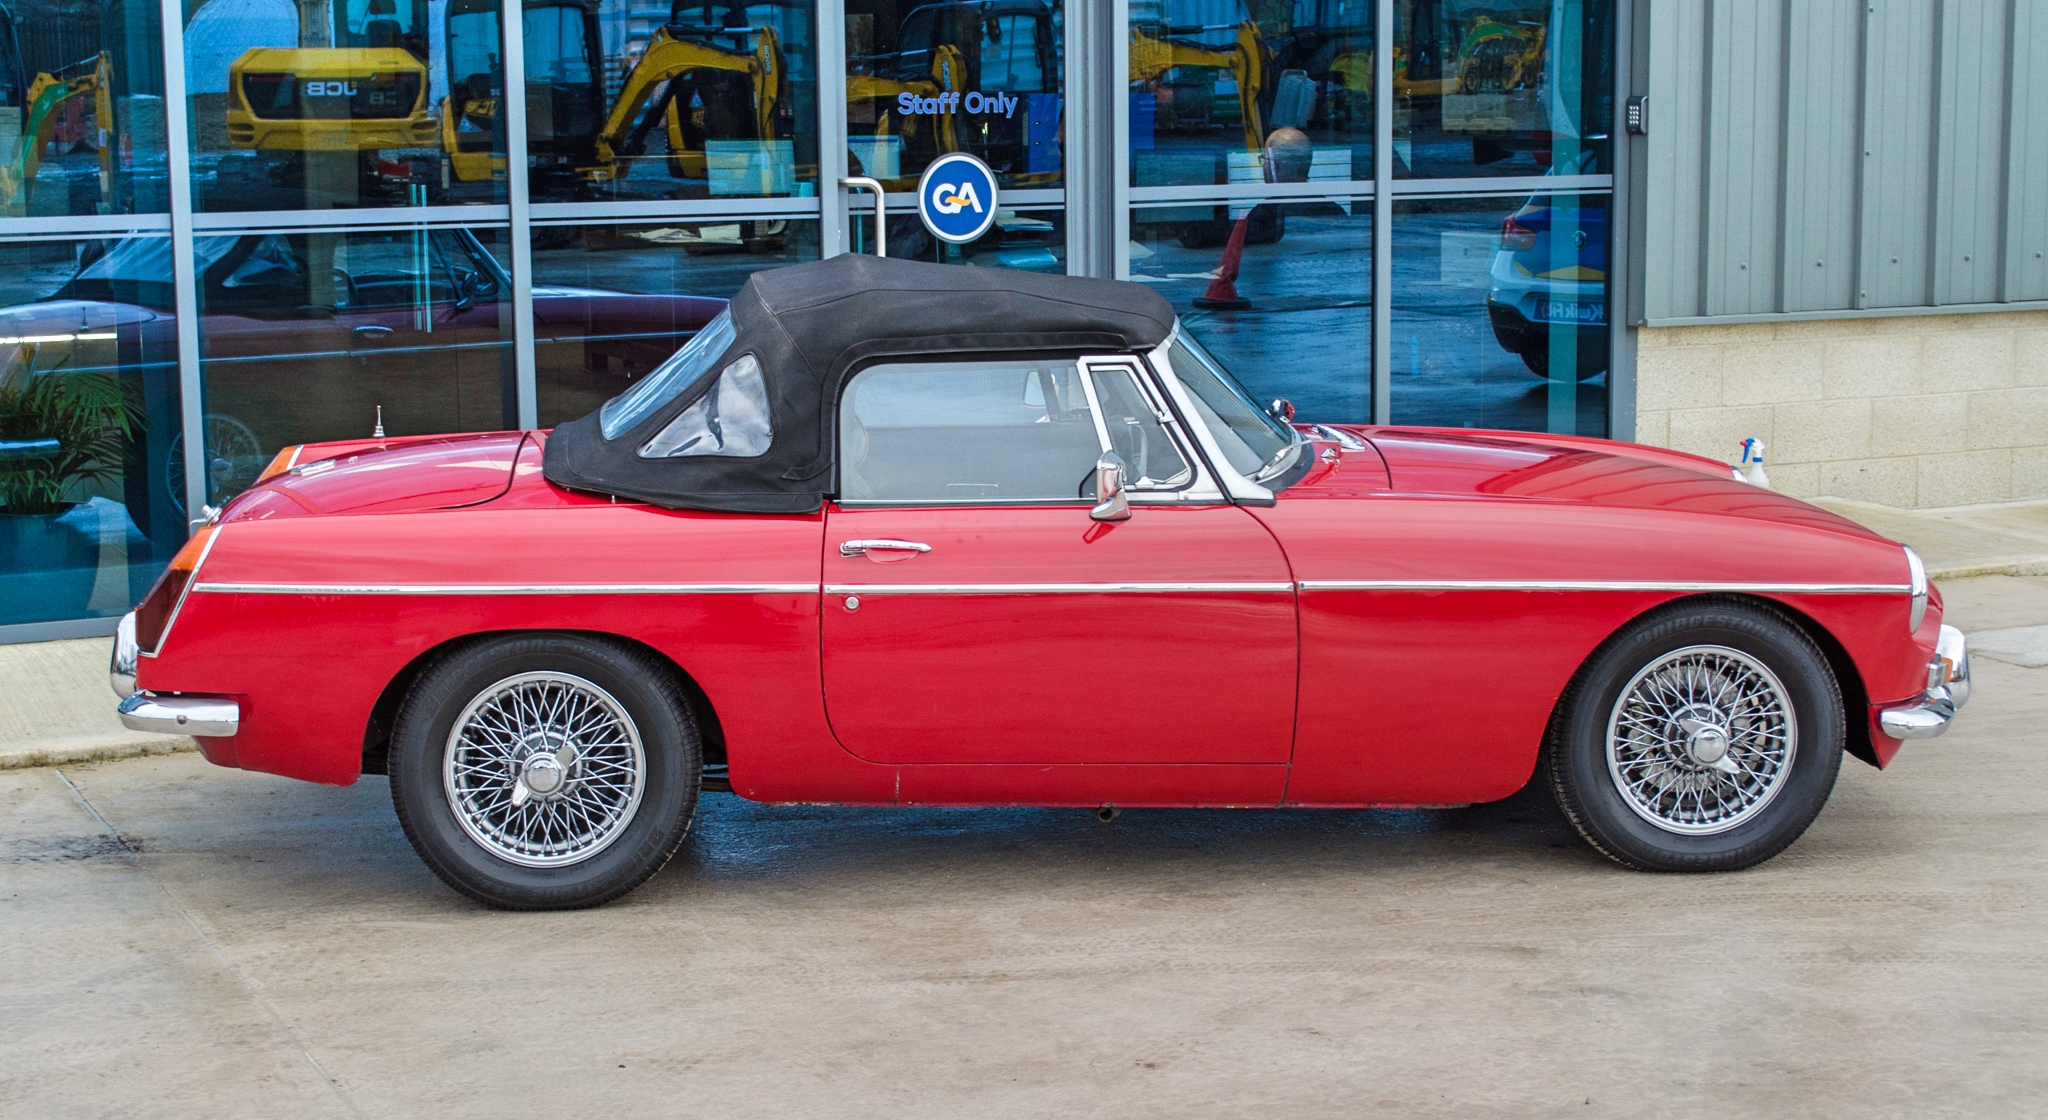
(1257, 446)
(625, 412)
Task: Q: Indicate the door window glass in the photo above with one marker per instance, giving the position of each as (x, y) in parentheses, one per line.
(1132, 424)
(969, 432)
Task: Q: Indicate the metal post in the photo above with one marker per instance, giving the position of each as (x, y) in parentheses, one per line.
(512, 49)
(1383, 212)
(1119, 162)
(1094, 142)
(1631, 20)
(863, 183)
(831, 63)
(184, 273)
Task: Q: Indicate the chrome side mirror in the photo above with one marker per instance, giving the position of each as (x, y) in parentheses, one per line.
(1282, 410)
(1110, 503)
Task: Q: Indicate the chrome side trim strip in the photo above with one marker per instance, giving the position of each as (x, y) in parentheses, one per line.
(1601, 585)
(509, 588)
(1053, 588)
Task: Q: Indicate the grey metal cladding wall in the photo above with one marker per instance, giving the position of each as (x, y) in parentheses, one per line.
(1822, 157)
(2026, 179)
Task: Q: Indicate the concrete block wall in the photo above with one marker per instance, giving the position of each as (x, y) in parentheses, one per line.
(1912, 411)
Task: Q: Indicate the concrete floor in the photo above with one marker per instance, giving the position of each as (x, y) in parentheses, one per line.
(256, 947)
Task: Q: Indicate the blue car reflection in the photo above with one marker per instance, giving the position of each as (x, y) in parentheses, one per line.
(1548, 294)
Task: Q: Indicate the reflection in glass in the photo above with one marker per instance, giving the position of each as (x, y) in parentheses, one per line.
(976, 76)
(1214, 87)
(1033, 239)
(91, 475)
(1500, 313)
(1301, 323)
(81, 109)
(719, 100)
(344, 103)
(304, 336)
(612, 303)
(1502, 87)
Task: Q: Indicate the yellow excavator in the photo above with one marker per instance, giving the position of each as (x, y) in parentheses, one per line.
(678, 81)
(564, 88)
(367, 93)
(46, 99)
(931, 134)
(1247, 61)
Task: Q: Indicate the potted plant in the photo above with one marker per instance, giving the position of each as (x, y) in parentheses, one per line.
(59, 432)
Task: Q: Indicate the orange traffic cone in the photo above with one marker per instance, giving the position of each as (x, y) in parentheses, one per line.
(1222, 294)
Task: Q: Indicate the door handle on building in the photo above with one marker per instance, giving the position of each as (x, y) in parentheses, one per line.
(860, 548)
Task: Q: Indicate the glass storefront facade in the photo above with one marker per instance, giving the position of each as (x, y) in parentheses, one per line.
(324, 211)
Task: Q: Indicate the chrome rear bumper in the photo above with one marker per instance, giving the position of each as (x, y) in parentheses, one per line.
(1948, 688)
(181, 715)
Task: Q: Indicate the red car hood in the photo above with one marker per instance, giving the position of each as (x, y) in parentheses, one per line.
(386, 476)
(1578, 469)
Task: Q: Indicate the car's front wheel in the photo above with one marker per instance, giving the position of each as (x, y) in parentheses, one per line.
(1705, 737)
(545, 771)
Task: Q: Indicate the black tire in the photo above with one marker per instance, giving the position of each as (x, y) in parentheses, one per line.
(1586, 781)
(642, 837)
(1590, 363)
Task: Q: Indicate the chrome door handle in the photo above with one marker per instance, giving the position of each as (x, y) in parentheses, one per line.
(373, 330)
(860, 548)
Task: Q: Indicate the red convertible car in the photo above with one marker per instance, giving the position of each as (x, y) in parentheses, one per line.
(887, 533)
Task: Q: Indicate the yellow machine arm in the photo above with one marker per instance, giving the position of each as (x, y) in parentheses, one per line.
(948, 75)
(1247, 62)
(667, 59)
(47, 94)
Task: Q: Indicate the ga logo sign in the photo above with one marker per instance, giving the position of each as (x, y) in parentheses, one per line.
(957, 198)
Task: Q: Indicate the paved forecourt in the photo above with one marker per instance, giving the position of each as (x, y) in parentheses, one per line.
(185, 940)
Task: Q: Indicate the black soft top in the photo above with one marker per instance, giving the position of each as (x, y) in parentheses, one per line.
(810, 327)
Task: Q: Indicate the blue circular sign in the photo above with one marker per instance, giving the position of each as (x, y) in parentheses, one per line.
(957, 198)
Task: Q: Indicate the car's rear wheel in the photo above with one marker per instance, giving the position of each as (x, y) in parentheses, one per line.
(545, 771)
(1706, 737)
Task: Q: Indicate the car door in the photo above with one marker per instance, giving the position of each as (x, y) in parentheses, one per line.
(974, 612)
(426, 323)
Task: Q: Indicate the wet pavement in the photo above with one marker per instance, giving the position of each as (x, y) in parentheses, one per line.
(187, 940)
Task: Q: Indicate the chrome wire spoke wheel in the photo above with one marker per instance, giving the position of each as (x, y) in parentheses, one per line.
(1701, 739)
(544, 769)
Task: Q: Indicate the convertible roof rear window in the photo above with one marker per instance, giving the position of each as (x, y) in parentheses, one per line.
(625, 412)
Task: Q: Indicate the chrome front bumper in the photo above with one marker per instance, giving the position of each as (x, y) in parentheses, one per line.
(181, 715)
(1948, 688)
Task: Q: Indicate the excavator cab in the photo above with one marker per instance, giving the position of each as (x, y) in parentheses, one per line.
(718, 87)
(564, 88)
(365, 93)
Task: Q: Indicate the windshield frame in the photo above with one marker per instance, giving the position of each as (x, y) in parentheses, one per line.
(1277, 471)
